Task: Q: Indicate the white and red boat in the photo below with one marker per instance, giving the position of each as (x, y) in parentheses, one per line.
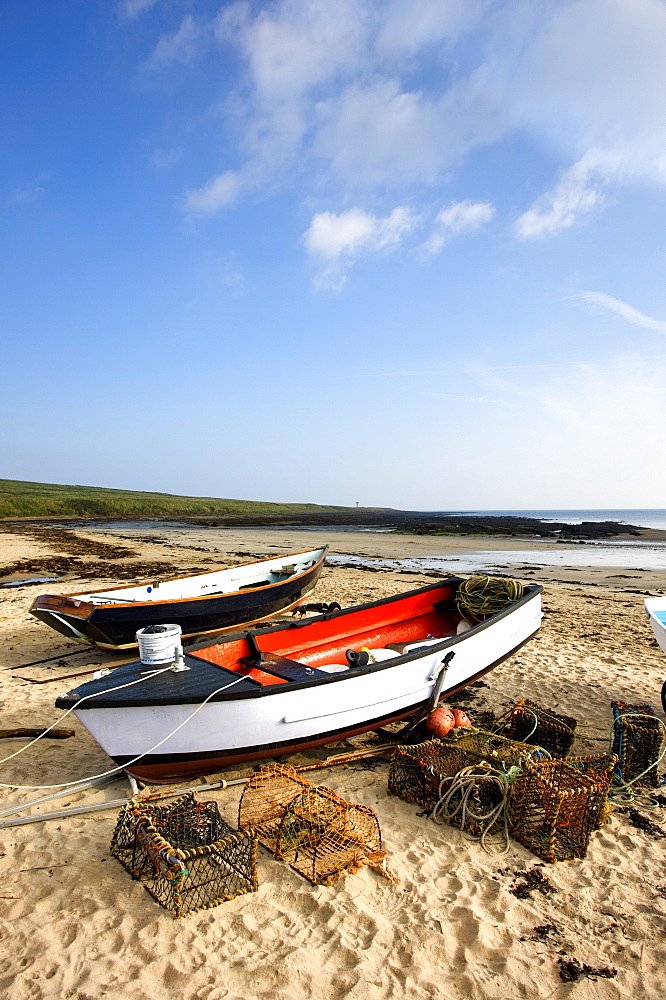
(281, 689)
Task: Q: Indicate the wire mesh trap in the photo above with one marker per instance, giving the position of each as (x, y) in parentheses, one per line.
(462, 779)
(637, 741)
(531, 723)
(320, 834)
(185, 854)
(555, 805)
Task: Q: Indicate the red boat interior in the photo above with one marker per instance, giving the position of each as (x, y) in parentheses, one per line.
(322, 642)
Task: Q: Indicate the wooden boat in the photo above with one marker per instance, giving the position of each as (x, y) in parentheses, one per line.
(208, 604)
(279, 690)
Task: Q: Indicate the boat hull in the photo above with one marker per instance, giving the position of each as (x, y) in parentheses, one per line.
(242, 722)
(111, 626)
(161, 768)
(655, 608)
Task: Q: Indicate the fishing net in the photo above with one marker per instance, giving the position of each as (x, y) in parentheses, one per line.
(556, 804)
(185, 854)
(481, 596)
(320, 834)
(531, 723)
(637, 741)
(498, 750)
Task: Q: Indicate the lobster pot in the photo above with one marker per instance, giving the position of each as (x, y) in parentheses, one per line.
(637, 741)
(185, 854)
(320, 834)
(600, 767)
(554, 806)
(417, 771)
(531, 723)
(428, 772)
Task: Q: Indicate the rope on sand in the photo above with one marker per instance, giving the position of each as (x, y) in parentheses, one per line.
(465, 786)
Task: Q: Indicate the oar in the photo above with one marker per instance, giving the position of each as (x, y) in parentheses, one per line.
(66, 677)
(61, 656)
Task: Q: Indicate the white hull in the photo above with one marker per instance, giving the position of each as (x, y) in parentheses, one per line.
(655, 608)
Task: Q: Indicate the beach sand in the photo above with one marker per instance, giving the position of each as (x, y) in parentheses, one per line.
(74, 924)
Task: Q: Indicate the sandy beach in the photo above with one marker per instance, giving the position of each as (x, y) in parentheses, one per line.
(455, 925)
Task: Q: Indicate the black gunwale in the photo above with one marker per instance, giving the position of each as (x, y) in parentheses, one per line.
(143, 699)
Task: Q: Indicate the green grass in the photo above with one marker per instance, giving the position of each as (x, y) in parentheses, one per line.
(19, 499)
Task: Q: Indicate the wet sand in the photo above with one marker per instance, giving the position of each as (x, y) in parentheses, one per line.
(74, 925)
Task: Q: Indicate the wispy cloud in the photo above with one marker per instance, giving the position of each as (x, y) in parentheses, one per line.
(219, 192)
(337, 239)
(339, 95)
(182, 46)
(623, 309)
(458, 217)
(482, 370)
(574, 196)
(133, 9)
(469, 399)
(28, 194)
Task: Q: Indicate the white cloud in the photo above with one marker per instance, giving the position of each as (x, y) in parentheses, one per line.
(29, 193)
(325, 90)
(181, 46)
(133, 9)
(624, 310)
(409, 27)
(351, 94)
(458, 217)
(332, 236)
(574, 196)
(219, 192)
(335, 239)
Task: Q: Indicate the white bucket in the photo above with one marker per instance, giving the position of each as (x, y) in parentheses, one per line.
(158, 643)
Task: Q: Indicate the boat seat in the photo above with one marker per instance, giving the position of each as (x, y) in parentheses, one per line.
(411, 647)
(281, 666)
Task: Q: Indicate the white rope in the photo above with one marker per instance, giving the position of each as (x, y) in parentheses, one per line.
(465, 782)
(114, 770)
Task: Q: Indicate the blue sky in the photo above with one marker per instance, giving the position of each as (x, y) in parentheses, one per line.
(409, 253)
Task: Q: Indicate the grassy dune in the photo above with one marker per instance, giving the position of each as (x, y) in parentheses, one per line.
(19, 499)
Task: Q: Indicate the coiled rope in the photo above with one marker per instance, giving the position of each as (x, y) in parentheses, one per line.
(481, 596)
(465, 784)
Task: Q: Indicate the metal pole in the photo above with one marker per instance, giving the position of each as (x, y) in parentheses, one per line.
(58, 795)
(336, 761)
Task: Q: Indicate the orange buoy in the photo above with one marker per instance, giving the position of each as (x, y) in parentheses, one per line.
(461, 718)
(440, 722)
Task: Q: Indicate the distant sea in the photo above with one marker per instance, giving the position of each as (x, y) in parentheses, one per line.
(643, 518)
